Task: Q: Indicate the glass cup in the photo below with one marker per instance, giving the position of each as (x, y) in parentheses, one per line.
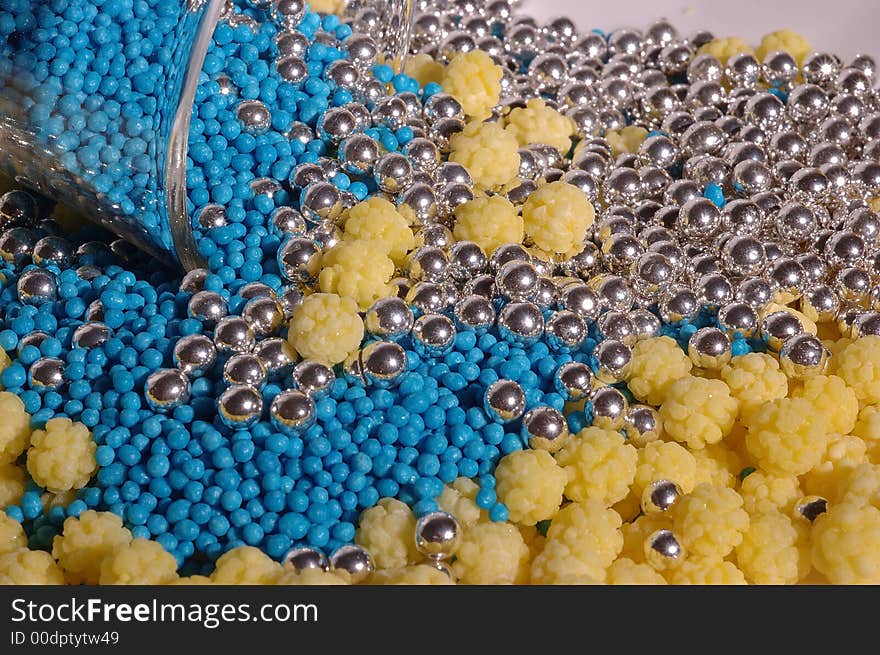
(99, 120)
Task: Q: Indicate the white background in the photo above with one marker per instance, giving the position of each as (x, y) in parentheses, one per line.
(845, 27)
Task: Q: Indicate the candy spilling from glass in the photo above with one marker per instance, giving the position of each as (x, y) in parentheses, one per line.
(495, 302)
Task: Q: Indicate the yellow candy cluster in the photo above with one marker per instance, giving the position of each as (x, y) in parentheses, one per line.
(488, 151)
(787, 41)
(530, 483)
(343, 271)
(556, 217)
(656, 363)
(326, 327)
(626, 140)
(386, 531)
(376, 218)
(488, 221)
(475, 81)
(424, 69)
(62, 457)
(724, 48)
(15, 429)
(538, 123)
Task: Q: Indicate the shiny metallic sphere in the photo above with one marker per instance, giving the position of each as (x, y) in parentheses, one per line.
(382, 363)
(678, 304)
(320, 201)
(90, 335)
(610, 408)
(245, 368)
(166, 389)
(46, 374)
(277, 356)
(738, 320)
(233, 335)
(566, 331)
(52, 250)
(520, 323)
(239, 407)
(389, 318)
(709, 348)
(393, 172)
(659, 496)
(357, 154)
(466, 260)
(37, 287)
(803, 355)
(292, 412)
(428, 264)
(254, 116)
(573, 381)
(820, 303)
(663, 550)
(207, 307)
(288, 221)
(641, 425)
(299, 259)
(545, 428)
(304, 558)
(354, 560)
(474, 313)
(433, 335)
(194, 355)
(614, 358)
(777, 327)
(517, 280)
(504, 401)
(437, 535)
(265, 315)
(580, 299)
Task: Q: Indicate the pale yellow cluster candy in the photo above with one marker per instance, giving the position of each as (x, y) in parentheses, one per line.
(475, 81)
(326, 327)
(62, 457)
(488, 151)
(539, 123)
(343, 271)
(376, 218)
(488, 221)
(724, 48)
(387, 532)
(530, 483)
(424, 69)
(15, 429)
(85, 542)
(140, 561)
(626, 140)
(556, 217)
(787, 41)
(246, 565)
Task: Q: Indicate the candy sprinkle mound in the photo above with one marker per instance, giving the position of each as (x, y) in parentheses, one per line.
(547, 307)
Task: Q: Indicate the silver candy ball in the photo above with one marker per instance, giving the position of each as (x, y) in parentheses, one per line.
(382, 363)
(254, 116)
(46, 374)
(299, 259)
(699, 218)
(652, 274)
(354, 560)
(429, 264)
(787, 277)
(16, 245)
(474, 313)
(53, 250)
(777, 327)
(743, 255)
(580, 299)
(194, 354)
(466, 259)
(438, 535)
(853, 285)
(811, 507)
(292, 69)
(641, 425)
(393, 172)
(304, 558)
(233, 335)
(820, 303)
(433, 335)
(194, 280)
(517, 280)
(428, 297)
(292, 412)
(207, 307)
(288, 221)
(320, 201)
(802, 356)
(357, 154)
(166, 389)
(614, 358)
(709, 348)
(90, 335)
(738, 319)
(616, 325)
(755, 292)
(573, 381)
(520, 323)
(545, 428)
(314, 379)
(867, 324)
(714, 290)
(663, 550)
(277, 356)
(239, 407)
(613, 292)
(645, 324)
(245, 368)
(265, 315)
(659, 496)
(566, 331)
(37, 287)
(678, 304)
(389, 318)
(609, 408)
(504, 401)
